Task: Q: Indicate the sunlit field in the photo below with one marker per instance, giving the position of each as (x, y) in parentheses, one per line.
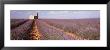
(55, 29)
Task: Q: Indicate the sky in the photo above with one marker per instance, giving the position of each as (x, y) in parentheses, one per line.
(55, 14)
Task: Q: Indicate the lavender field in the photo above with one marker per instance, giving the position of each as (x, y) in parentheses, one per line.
(55, 29)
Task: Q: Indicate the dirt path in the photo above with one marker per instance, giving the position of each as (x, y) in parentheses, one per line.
(35, 34)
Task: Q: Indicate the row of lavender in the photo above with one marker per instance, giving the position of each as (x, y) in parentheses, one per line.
(21, 32)
(49, 32)
(85, 28)
(16, 22)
